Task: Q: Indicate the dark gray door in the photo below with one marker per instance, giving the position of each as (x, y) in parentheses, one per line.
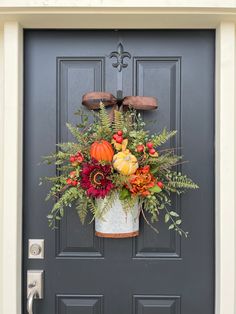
(152, 274)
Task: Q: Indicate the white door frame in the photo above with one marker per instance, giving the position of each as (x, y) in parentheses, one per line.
(11, 107)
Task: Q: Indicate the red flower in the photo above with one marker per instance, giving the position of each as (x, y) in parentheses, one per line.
(94, 179)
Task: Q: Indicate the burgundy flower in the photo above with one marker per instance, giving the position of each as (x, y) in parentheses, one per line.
(94, 179)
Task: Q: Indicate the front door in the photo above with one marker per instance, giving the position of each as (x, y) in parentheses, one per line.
(150, 274)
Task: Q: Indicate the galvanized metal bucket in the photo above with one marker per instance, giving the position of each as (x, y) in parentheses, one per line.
(116, 222)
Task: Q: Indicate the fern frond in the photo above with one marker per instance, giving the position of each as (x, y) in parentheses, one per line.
(104, 122)
(82, 140)
(128, 204)
(118, 120)
(92, 207)
(178, 181)
(164, 162)
(163, 137)
(65, 147)
(82, 209)
(74, 131)
(103, 205)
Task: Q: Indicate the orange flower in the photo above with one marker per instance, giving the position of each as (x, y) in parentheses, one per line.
(141, 181)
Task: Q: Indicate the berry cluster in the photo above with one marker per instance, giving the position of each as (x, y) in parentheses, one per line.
(141, 148)
(72, 180)
(118, 137)
(76, 159)
(152, 150)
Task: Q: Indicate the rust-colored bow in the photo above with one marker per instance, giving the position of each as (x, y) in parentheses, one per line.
(92, 101)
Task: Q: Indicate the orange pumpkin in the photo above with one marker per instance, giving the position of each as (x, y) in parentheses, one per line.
(102, 151)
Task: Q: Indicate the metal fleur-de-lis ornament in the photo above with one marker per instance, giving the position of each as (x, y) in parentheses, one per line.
(120, 54)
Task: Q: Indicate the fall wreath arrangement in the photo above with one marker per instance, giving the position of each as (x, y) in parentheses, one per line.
(116, 171)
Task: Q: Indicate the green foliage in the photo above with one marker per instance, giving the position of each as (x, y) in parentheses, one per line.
(74, 131)
(66, 199)
(150, 205)
(85, 205)
(177, 181)
(103, 205)
(103, 125)
(83, 119)
(131, 123)
(128, 203)
(163, 137)
(82, 208)
(118, 123)
(124, 194)
(174, 221)
(164, 162)
(120, 180)
(155, 189)
(136, 137)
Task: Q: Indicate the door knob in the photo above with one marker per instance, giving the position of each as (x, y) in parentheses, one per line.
(34, 287)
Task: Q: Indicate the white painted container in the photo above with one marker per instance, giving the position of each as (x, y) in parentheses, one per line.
(116, 223)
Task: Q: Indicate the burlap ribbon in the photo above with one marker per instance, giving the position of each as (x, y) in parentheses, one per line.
(92, 101)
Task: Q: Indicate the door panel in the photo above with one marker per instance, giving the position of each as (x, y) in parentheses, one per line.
(75, 77)
(74, 304)
(159, 77)
(163, 273)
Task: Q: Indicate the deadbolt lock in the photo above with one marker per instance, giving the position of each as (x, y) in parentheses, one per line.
(36, 248)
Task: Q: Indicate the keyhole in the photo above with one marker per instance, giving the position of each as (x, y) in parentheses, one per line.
(35, 249)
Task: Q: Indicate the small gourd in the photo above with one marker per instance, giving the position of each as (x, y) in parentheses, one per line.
(125, 163)
(102, 151)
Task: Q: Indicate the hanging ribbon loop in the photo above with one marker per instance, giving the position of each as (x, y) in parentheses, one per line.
(92, 101)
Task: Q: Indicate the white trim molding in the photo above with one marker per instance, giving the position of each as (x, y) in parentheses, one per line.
(119, 3)
(12, 168)
(225, 132)
(1, 159)
(93, 16)
(14, 19)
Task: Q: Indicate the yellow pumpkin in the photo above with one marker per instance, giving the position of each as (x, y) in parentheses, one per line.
(125, 163)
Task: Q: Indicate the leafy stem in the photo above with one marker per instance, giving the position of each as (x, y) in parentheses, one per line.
(148, 223)
(175, 223)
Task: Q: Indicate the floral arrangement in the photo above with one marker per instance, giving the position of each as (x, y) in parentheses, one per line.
(113, 158)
